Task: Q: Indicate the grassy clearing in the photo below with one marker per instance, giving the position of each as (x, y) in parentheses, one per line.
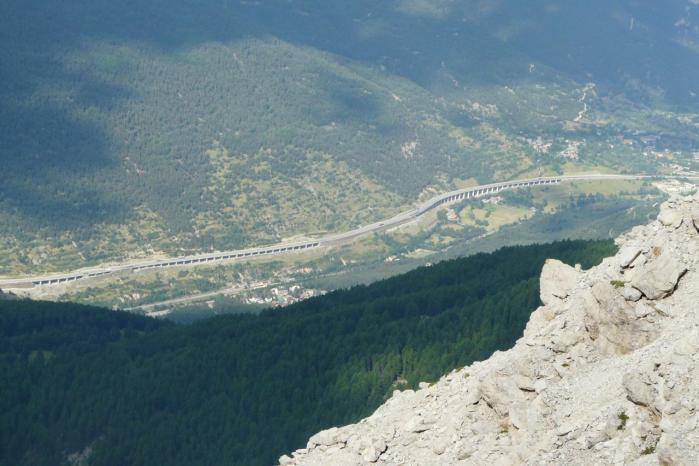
(493, 217)
(506, 215)
(606, 188)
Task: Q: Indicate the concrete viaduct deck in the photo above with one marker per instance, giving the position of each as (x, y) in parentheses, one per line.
(298, 247)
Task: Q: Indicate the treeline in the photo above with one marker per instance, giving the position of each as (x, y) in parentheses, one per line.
(241, 390)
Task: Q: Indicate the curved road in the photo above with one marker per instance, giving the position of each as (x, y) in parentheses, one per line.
(295, 247)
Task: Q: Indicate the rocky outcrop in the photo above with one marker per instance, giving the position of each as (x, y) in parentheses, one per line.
(605, 373)
(557, 280)
(658, 277)
(695, 217)
(671, 218)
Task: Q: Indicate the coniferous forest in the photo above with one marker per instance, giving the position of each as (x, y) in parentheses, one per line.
(84, 385)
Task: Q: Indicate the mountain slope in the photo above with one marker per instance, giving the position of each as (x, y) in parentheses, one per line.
(127, 390)
(605, 373)
(138, 127)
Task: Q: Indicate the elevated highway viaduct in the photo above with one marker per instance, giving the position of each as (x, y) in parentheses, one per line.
(332, 239)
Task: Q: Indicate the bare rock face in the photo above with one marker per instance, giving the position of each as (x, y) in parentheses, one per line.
(557, 281)
(616, 325)
(606, 373)
(658, 277)
(327, 438)
(628, 255)
(670, 218)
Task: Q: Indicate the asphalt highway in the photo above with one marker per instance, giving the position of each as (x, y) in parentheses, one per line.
(331, 239)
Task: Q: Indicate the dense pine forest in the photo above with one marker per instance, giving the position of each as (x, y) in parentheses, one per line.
(112, 388)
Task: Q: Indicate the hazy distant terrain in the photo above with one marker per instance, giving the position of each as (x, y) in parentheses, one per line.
(130, 128)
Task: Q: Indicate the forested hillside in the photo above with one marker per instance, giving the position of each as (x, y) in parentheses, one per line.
(129, 129)
(116, 389)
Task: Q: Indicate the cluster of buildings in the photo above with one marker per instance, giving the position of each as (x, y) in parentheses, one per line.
(539, 145)
(675, 187)
(283, 296)
(572, 150)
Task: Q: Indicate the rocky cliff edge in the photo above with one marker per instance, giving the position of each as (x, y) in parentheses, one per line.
(605, 373)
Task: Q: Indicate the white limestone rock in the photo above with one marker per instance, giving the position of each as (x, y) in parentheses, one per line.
(640, 388)
(612, 322)
(658, 278)
(416, 424)
(631, 294)
(373, 451)
(440, 445)
(670, 217)
(628, 255)
(327, 438)
(603, 375)
(557, 280)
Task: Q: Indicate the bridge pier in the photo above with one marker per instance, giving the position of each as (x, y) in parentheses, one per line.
(470, 193)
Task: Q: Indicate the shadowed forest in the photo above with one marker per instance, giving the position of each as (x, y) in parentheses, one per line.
(242, 390)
